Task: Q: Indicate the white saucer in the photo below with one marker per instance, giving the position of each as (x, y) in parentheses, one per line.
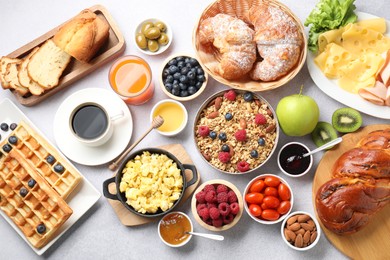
(86, 155)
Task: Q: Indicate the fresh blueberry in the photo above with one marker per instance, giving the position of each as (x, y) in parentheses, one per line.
(261, 141)
(184, 93)
(192, 82)
(173, 69)
(198, 84)
(13, 126)
(166, 73)
(248, 96)
(59, 168)
(175, 81)
(168, 86)
(172, 62)
(177, 75)
(180, 58)
(213, 135)
(4, 126)
(23, 192)
(169, 79)
(192, 90)
(41, 228)
(7, 148)
(180, 64)
(222, 136)
(183, 86)
(176, 86)
(50, 159)
(191, 75)
(201, 78)
(193, 70)
(254, 154)
(183, 79)
(225, 148)
(228, 116)
(12, 139)
(199, 71)
(188, 65)
(31, 183)
(184, 71)
(175, 92)
(193, 62)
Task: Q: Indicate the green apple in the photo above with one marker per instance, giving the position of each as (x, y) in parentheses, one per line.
(297, 114)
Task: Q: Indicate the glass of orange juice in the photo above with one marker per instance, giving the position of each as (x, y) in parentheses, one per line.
(131, 78)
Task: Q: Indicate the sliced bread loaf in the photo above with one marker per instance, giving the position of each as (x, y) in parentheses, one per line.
(4, 61)
(47, 64)
(11, 76)
(25, 79)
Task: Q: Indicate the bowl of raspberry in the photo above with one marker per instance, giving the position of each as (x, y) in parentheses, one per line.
(217, 205)
(236, 131)
(268, 199)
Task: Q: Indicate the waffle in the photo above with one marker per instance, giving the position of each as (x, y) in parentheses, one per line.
(36, 150)
(32, 204)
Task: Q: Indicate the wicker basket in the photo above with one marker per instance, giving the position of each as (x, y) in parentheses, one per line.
(210, 58)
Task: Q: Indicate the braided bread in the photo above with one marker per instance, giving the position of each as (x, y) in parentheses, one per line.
(360, 185)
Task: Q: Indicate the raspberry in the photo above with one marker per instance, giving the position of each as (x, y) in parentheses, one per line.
(260, 119)
(222, 197)
(240, 135)
(224, 209)
(204, 214)
(222, 188)
(228, 219)
(232, 197)
(200, 197)
(209, 222)
(234, 208)
(230, 95)
(208, 187)
(214, 213)
(224, 157)
(217, 222)
(211, 205)
(243, 166)
(211, 196)
(203, 130)
(199, 207)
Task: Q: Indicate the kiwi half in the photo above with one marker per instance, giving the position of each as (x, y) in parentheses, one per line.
(323, 133)
(346, 120)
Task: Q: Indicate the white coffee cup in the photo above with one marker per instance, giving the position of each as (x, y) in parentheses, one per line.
(91, 124)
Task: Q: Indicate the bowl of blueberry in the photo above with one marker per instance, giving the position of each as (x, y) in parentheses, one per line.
(182, 77)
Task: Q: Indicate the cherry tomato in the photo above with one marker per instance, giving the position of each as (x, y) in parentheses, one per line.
(255, 210)
(271, 191)
(257, 186)
(270, 214)
(271, 181)
(254, 198)
(284, 207)
(271, 202)
(284, 192)
(264, 206)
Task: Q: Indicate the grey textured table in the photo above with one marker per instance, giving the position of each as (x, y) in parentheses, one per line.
(99, 234)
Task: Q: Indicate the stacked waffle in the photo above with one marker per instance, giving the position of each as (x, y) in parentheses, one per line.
(35, 180)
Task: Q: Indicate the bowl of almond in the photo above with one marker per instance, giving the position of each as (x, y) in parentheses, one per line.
(236, 131)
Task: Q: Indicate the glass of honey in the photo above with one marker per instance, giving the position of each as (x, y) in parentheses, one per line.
(131, 78)
(172, 229)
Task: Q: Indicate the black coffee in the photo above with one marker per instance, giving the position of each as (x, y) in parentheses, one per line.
(89, 122)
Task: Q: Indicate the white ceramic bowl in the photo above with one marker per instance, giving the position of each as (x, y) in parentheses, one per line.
(162, 48)
(167, 120)
(301, 248)
(285, 170)
(263, 221)
(183, 242)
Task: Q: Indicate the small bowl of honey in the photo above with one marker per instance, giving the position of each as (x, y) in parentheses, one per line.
(173, 229)
(175, 116)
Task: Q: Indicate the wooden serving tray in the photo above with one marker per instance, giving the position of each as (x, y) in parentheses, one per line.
(372, 242)
(128, 218)
(75, 70)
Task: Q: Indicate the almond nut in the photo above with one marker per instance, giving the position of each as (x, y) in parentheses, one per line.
(290, 236)
(218, 102)
(313, 236)
(294, 227)
(311, 223)
(270, 128)
(231, 150)
(206, 156)
(299, 241)
(269, 112)
(306, 237)
(303, 218)
(243, 123)
(300, 231)
(212, 115)
(306, 226)
(292, 220)
(257, 102)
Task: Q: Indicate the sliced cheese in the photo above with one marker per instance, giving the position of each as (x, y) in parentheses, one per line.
(353, 86)
(376, 24)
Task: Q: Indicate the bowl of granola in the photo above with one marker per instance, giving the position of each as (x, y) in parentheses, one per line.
(236, 131)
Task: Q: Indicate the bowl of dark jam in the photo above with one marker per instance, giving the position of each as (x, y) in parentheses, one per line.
(291, 160)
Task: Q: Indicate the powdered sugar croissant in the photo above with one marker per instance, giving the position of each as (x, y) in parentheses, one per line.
(234, 40)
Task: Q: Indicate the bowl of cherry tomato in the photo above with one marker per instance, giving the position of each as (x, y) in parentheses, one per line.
(268, 199)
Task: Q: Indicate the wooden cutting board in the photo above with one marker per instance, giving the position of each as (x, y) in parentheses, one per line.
(128, 218)
(373, 241)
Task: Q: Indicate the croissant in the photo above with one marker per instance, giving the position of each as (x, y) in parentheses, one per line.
(234, 40)
(279, 42)
(360, 186)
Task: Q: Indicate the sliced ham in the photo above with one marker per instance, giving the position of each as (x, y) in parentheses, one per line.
(376, 94)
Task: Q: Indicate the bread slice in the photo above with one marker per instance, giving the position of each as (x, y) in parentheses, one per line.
(11, 76)
(25, 79)
(47, 64)
(4, 61)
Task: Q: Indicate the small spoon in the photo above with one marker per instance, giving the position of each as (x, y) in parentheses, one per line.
(156, 123)
(327, 145)
(210, 236)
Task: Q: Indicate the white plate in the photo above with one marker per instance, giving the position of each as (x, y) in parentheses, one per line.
(87, 155)
(81, 199)
(331, 88)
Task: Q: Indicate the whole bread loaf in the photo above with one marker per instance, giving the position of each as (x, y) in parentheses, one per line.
(82, 36)
(360, 186)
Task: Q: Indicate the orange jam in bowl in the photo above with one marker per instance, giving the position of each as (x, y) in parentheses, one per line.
(173, 227)
(174, 114)
(131, 78)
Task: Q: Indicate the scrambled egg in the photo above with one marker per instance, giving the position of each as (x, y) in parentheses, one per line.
(151, 182)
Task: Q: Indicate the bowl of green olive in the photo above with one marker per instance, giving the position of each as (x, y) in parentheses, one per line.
(153, 36)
